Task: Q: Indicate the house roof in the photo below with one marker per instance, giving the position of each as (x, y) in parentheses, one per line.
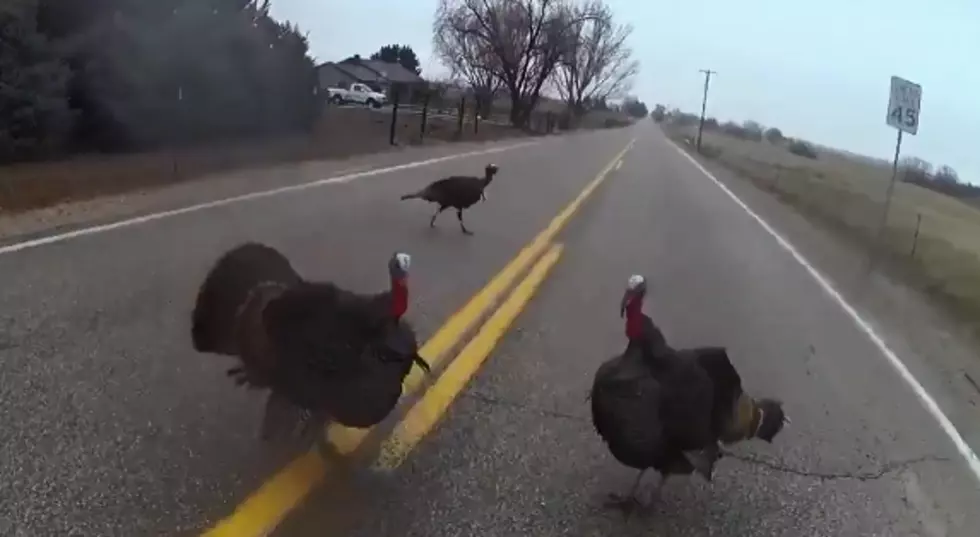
(359, 72)
(330, 74)
(394, 72)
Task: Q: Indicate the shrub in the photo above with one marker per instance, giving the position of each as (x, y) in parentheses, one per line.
(752, 131)
(733, 129)
(774, 135)
(803, 149)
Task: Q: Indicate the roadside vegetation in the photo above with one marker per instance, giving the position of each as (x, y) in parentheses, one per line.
(932, 235)
(106, 96)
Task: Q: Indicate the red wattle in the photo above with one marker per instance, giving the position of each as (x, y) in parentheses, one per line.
(634, 318)
(399, 297)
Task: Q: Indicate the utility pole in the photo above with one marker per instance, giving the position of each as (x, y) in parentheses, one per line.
(704, 102)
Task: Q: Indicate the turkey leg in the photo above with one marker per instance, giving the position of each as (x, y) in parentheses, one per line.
(704, 461)
(432, 221)
(628, 502)
(459, 215)
(631, 502)
(280, 416)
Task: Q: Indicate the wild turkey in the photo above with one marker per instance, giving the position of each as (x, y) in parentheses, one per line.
(458, 191)
(330, 352)
(667, 409)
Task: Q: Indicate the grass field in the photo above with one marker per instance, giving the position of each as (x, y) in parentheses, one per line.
(931, 239)
(341, 132)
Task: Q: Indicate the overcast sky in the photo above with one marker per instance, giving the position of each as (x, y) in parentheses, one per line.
(818, 70)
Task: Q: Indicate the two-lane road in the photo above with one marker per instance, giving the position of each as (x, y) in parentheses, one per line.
(517, 455)
(110, 425)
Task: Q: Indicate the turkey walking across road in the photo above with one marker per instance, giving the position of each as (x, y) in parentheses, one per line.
(458, 191)
(323, 351)
(667, 409)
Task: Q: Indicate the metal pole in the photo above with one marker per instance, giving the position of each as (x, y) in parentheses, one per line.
(891, 186)
(181, 125)
(460, 115)
(425, 113)
(915, 238)
(394, 117)
(476, 115)
(878, 246)
(704, 103)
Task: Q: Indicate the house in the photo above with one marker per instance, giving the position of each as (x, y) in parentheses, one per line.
(331, 76)
(380, 76)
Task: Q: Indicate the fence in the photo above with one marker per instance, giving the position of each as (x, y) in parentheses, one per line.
(341, 131)
(429, 116)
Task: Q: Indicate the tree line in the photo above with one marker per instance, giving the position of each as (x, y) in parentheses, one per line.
(912, 169)
(942, 179)
(523, 47)
(747, 130)
(122, 75)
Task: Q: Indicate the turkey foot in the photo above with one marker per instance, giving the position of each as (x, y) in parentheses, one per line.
(628, 504)
(328, 451)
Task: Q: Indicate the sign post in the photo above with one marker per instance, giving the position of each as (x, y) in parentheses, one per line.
(903, 114)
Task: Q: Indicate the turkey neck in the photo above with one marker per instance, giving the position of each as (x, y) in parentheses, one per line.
(399, 297)
(641, 340)
(634, 319)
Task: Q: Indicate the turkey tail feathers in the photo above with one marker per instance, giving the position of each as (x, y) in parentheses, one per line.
(421, 194)
(419, 361)
(226, 288)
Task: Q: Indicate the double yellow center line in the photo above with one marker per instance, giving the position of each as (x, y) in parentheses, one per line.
(262, 512)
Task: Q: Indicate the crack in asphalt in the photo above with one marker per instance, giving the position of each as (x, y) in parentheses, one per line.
(857, 475)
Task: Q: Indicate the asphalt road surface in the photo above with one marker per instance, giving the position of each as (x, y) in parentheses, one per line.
(111, 425)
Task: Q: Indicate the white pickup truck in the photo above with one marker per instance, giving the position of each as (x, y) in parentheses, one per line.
(358, 93)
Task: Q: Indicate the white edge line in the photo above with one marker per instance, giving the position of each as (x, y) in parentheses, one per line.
(92, 230)
(928, 402)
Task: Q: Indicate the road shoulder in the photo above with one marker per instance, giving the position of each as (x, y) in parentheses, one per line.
(936, 349)
(69, 216)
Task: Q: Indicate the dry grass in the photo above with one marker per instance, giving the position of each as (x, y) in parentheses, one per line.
(931, 239)
(341, 132)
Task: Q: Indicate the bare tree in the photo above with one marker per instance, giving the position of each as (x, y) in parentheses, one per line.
(599, 64)
(525, 38)
(946, 174)
(468, 57)
(915, 170)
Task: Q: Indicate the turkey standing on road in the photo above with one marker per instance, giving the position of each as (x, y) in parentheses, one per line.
(666, 409)
(458, 191)
(329, 352)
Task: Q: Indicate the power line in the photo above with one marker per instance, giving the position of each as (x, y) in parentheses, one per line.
(704, 102)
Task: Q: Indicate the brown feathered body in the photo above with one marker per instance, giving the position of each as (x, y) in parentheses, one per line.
(457, 191)
(655, 406)
(325, 349)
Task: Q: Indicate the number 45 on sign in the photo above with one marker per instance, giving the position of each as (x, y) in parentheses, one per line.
(903, 105)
